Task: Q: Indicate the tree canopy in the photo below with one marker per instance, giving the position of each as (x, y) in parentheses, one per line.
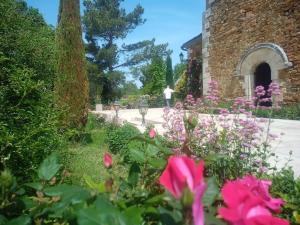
(106, 24)
(169, 72)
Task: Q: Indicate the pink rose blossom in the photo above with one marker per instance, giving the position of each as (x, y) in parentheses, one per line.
(152, 133)
(107, 160)
(182, 172)
(260, 188)
(249, 203)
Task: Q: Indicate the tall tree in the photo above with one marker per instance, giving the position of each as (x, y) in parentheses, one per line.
(169, 72)
(106, 24)
(72, 83)
(178, 70)
(154, 74)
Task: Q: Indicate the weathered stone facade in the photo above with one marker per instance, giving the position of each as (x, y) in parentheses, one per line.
(240, 35)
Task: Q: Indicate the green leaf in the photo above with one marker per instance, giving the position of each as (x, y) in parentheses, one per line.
(170, 217)
(152, 142)
(22, 220)
(155, 199)
(67, 192)
(3, 220)
(137, 156)
(151, 210)
(211, 192)
(133, 215)
(104, 205)
(90, 216)
(69, 196)
(158, 163)
(134, 173)
(100, 187)
(35, 186)
(21, 191)
(297, 217)
(102, 212)
(49, 167)
(152, 150)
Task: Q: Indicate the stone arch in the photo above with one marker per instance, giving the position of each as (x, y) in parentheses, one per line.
(269, 53)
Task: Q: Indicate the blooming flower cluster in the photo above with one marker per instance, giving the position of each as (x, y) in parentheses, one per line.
(174, 124)
(231, 130)
(248, 201)
(270, 97)
(189, 100)
(213, 92)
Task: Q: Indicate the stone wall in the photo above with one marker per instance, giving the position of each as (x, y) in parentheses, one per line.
(231, 27)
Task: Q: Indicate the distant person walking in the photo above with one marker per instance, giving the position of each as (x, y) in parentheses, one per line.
(168, 95)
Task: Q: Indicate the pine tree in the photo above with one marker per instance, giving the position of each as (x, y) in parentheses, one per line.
(169, 73)
(72, 83)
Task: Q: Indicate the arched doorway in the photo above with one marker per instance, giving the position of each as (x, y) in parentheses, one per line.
(262, 77)
(258, 63)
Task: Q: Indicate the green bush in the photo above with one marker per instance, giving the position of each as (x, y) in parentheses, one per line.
(28, 119)
(285, 186)
(156, 101)
(286, 112)
(130, 101)
(118, 138)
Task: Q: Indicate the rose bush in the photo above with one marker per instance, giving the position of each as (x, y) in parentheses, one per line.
(134, 180)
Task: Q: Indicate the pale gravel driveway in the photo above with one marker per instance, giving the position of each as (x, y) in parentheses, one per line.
(290, 141)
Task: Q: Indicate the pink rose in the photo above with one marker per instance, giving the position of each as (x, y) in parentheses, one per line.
(260, 188)
(180, 173)
(152, 133)
(107, 160)
(249, 202)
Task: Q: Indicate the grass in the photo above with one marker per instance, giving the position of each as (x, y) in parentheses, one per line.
(86, 159)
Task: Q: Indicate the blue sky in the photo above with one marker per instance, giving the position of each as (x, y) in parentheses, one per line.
(172, 21)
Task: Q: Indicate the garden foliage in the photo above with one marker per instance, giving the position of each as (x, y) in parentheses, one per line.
(135, 197)
(118, 138)
(28, 120)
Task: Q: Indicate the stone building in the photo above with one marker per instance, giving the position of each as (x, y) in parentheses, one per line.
(194, 67)
(193, 47)
(246, 43)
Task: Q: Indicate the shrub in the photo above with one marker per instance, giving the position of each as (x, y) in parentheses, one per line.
(28, 119)
(130, 101)
(118, 138)
(287, 187)
(156, 101)
(286, 112)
